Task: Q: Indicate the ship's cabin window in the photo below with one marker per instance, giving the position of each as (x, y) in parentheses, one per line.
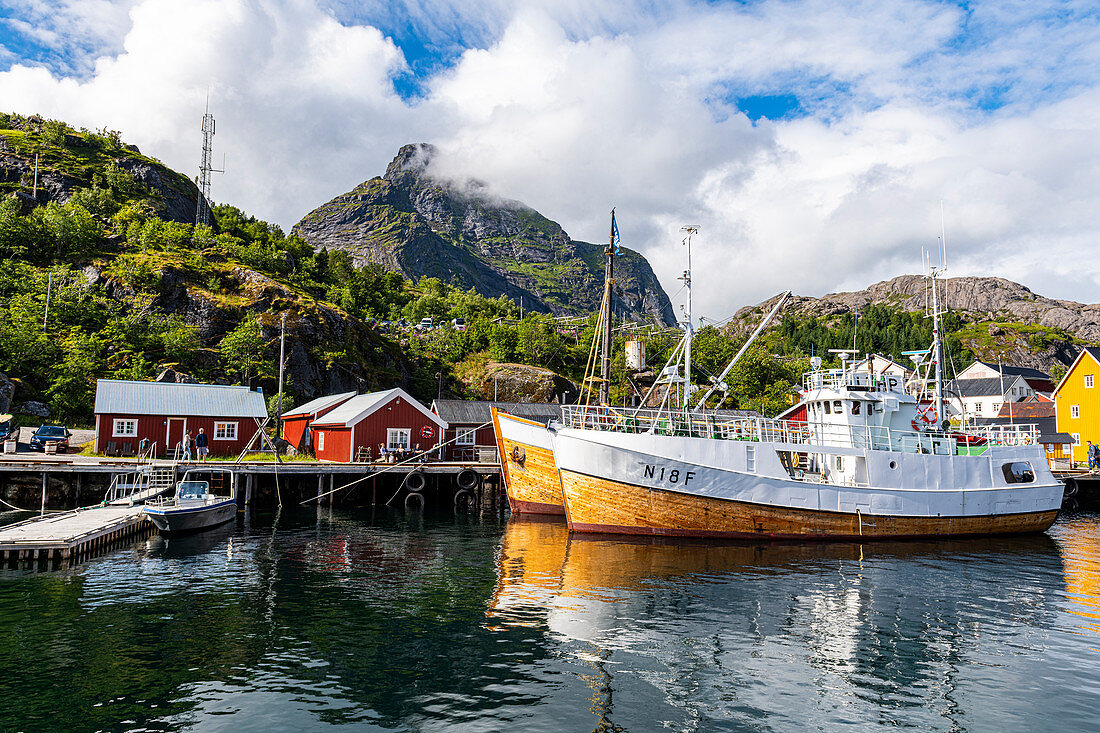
(827, 411)
(870, 408)
(1018, 473)
(837, 408)
(855, 407)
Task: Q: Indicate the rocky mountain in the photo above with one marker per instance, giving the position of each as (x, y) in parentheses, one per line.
(1004, 319)
(414, 223)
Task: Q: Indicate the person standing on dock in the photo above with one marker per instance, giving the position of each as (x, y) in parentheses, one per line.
(187, 445)
(1094, 456)
(200, 445)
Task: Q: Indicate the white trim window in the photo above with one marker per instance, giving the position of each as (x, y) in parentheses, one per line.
(1076, 438)
(1075, 411)
(977, 408)
(398, 438)
(225, 431)
(465, 436)
(320, 440)
(125, 428)
(1088, 381)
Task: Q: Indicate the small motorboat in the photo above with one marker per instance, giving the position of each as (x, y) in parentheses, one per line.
(195, 505)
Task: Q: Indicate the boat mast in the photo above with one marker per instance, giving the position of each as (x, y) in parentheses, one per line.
(688, 328)
(934, 273)
(605, 350)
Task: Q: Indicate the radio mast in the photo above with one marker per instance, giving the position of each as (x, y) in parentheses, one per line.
(202, 207)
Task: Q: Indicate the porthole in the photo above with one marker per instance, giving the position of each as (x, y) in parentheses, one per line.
(893, 464)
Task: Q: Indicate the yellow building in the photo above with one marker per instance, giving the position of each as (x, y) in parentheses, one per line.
(1077, 401)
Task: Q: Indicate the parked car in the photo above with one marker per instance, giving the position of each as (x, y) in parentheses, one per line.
(9, 428)
(459, 324)
(46, 434)
(426, 324)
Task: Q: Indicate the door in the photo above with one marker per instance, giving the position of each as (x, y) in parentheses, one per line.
(176, 428)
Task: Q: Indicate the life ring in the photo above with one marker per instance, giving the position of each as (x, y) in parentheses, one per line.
(1027, 440)
(426, 431)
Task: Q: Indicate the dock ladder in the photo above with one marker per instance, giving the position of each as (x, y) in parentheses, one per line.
(141, 484)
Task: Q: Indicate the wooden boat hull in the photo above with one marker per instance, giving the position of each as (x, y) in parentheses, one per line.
(527, 464)
(179, 520)
(604, 506)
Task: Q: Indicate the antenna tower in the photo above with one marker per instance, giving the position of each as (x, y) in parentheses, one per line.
(202, 207)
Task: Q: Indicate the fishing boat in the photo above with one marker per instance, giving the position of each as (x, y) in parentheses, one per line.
(195, 506)
(870, 460)
(527, 464)
(531, 479)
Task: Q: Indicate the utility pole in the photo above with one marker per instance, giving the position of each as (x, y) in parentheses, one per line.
(49, 291)
(282, 361)
(36, 176)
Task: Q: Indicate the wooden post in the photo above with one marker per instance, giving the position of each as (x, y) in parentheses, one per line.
(79, 486)
(331, 488)
(247, 489)
(320, 487)
(44, 482)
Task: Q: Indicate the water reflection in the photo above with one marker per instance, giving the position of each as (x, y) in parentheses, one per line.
(883, 632)
(316, 619)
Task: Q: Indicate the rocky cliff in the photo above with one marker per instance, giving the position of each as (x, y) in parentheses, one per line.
(419, 225)
(1005, 319)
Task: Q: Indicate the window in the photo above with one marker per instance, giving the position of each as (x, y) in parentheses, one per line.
(1076, 438)
(750, 458)
(1088, 381)
(995, 408)
(1049, 447)
(837, 408)
(827, 410)
(225, 431)
(465, 436)
(1018, 473)
(320, 440)
(125, 429)
(977, 408)
(1075, 411)
(397, 438)
(855, 408)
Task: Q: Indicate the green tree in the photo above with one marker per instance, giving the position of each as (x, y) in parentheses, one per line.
(244, 352)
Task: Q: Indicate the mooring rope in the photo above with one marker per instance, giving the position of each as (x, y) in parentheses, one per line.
(395, 465)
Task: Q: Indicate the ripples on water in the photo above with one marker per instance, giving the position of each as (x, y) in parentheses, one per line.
(394, 621)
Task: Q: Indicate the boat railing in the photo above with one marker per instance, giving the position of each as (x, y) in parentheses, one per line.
(761, 429)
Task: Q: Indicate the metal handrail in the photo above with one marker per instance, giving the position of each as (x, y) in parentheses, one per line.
(760, 429)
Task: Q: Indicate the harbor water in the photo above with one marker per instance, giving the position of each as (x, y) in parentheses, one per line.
(317, 620)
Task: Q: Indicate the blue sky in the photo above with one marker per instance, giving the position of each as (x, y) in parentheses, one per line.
(810, 139)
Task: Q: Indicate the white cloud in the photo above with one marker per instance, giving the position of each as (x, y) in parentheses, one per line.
(575, 107)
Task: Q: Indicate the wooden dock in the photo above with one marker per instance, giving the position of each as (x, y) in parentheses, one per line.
(72, 534)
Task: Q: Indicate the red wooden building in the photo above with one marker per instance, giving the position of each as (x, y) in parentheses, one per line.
(392, 419)
(297, 423)
(128, 412)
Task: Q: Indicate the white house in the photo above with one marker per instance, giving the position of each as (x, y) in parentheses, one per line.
(968, 399)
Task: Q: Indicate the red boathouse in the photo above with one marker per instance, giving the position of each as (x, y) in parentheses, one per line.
(356, 429)
(126, 413)
(298, 423)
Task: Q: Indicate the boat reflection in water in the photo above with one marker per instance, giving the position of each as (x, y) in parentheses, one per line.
(725, 630)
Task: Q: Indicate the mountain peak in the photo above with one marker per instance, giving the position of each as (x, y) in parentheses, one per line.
(413, 159)
(420, 224)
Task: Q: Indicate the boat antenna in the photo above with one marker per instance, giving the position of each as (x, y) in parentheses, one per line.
(686, 277)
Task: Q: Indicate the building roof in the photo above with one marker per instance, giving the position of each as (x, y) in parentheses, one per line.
(986, 386)
(1026, 410)
(314, 406)
(1048, 428)
(121, 397)
(361, 406)
(1010, 370)
(476, 412)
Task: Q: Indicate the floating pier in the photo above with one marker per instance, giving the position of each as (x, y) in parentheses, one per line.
(72, 534)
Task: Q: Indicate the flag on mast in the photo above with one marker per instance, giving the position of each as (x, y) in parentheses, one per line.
(616, 243)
